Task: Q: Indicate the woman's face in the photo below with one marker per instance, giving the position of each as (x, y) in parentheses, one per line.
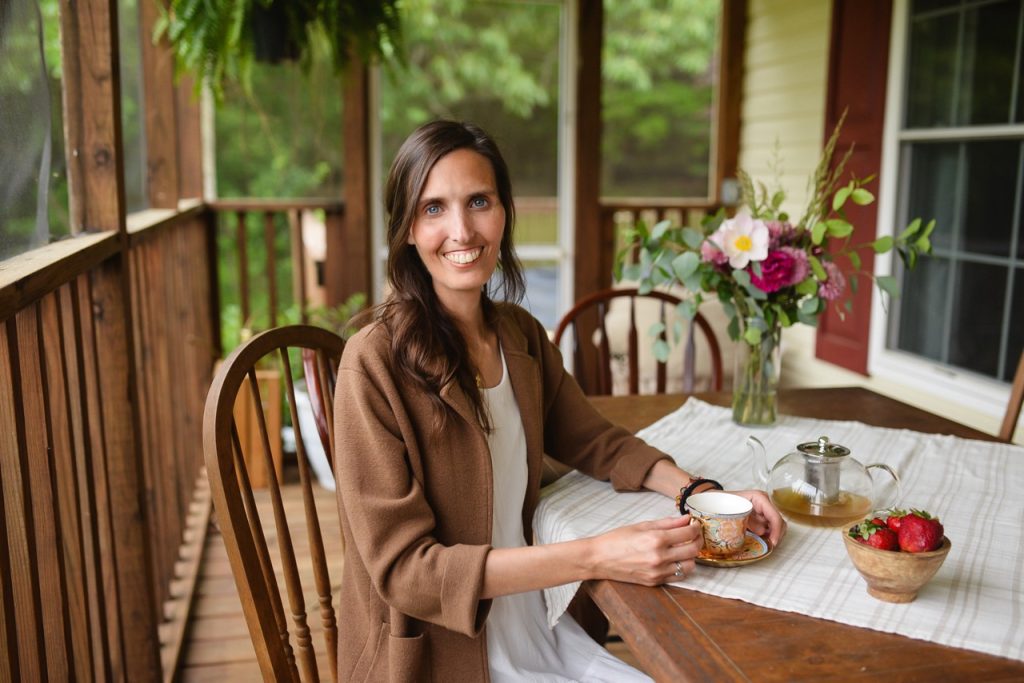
(458, 227)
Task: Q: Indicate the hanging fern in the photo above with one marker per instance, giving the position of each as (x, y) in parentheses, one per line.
(213, 39)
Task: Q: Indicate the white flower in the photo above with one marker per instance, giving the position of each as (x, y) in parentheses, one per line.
(743, 239)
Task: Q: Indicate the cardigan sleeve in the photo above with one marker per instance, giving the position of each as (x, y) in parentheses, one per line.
(579, 436)
(392, 524)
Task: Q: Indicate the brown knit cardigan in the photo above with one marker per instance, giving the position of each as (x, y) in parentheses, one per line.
(416, 503)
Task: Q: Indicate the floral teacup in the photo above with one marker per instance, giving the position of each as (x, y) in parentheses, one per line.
(723, 520)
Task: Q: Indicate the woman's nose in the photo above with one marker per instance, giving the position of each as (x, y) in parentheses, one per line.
(461, 227)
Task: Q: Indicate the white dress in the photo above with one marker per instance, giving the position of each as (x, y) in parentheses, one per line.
(520, 646)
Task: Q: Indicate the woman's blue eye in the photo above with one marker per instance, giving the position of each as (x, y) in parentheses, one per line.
(433, 209)
(478, 202)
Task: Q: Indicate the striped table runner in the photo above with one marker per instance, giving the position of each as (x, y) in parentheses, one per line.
(976, 601)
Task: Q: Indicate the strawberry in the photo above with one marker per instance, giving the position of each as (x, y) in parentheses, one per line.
(895, 519)
(919, 532)
(874, 533)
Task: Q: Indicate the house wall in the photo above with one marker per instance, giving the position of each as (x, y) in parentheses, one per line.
(782, 130)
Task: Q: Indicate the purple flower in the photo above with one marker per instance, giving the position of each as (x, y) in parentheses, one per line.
(780, 233)
(832, 288)
(781, 268)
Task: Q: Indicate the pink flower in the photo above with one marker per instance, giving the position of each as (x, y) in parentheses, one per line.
(779, 233)
(832, 288)
(711, 252)
(781, 268)
(743, 238)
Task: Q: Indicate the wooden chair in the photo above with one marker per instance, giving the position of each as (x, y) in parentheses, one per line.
(282, 639)
(1013, 406)
(601, 301)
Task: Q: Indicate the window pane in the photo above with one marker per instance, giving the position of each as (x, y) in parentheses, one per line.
(1016, 336)
(495, 64)
(991, 176)
(922, 308)
(658, 75)
(933, 42)
(542, 286)
(932, 191)
(987, 83)
(978, 317)
(285, 139)
(33, 179)
(132, 115)
(929, 5)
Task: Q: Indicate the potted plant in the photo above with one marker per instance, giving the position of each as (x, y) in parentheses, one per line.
(217, 40)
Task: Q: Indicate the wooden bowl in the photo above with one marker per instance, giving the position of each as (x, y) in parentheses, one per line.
(894, 576)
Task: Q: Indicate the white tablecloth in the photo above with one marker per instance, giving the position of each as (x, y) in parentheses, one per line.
(976, 600)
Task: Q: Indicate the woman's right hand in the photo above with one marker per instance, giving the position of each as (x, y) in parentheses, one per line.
(647, 553)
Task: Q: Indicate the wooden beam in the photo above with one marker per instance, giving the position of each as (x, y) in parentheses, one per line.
(350, 240)
(159, 111)
(729, 98)
(190, 143)
(96, 169)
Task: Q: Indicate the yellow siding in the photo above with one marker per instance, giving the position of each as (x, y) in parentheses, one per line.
(785, 72)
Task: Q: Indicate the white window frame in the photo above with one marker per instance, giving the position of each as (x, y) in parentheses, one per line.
(563, 252)
(970, 390)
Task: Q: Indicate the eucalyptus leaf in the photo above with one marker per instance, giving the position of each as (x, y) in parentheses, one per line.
(817, 268)
(659, 229)
(734, 328)
(685, 264)
(862, 197)
(655, 330)
(810, 305)
(687, 309)
(752, 336)
(661, 350)
(677, 330)
(692, 238)
(807, 287)
(645, 287)
(888, 284)
(818, 232)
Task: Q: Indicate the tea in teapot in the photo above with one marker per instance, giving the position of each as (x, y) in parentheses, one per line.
(819, 484)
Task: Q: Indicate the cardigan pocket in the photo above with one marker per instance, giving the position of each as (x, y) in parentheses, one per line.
(408, 659)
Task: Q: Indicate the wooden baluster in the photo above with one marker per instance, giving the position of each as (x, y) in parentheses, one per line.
(633, 348)
(252, 514)
(268, 243)
(327, 398)
(604, 354)
(298, 260)
(241, 240)
(662, 367)
(321, 576)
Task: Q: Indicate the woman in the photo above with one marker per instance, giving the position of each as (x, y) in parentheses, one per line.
(445, 406)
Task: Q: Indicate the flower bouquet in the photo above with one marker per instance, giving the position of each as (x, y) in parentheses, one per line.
(768, 271)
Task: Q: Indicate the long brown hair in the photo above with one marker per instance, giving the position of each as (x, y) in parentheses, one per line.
(426, 345)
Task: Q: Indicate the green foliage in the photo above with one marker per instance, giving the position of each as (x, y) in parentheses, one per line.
(217, 39)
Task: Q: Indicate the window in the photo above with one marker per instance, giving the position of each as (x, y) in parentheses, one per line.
(33, 180)
(961, 160)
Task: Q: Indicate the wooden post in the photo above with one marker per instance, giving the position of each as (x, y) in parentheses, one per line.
(350, 241)
(96, 170)
(593, 240)
(729, 101)
(158, 92)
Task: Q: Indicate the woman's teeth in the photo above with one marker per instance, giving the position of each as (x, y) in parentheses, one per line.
(463, 257)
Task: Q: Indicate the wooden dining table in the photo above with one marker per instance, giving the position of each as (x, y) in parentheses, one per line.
(683, 635)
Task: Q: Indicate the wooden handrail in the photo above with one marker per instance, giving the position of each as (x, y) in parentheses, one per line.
(275, 205)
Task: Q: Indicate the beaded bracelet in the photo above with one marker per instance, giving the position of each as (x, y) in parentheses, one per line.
(685, 493)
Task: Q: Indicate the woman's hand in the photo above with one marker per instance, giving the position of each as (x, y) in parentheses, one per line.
(765, 517)
(648, 553)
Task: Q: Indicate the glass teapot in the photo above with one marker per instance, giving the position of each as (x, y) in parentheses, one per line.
(819, 483)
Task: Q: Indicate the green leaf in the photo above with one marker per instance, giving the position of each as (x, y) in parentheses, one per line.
(810, 305)
(840, 198)
(685, 264)
(882, 244)
(692, 238)
(659, 229)
(818, 232)
(807, 287)
(755, 267)
(923, 245)
(807, 319)
(837, 227)
(687, 308)
(928, 228)
(661, 350)
(729, 309)
(741, 277)
(631, 271)
(853, 284)
(677, 330)
(644, 287)
(888, 284)
(778, 198)
(752, 335)
(817, 268)
(655, 330)
(783, 317)
(734, 328)
(910, 229)
(862, 197)
(854, 260)
(693, 283)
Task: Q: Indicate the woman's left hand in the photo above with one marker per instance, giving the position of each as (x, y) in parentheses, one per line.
(765, 517)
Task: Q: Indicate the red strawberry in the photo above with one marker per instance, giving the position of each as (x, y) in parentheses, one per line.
(920, 532)
(875, 534)
(895, 519)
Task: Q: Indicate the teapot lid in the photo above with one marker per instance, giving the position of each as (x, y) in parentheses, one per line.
(823, 448)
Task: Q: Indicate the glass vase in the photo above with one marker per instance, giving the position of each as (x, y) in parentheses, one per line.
(755, 379)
